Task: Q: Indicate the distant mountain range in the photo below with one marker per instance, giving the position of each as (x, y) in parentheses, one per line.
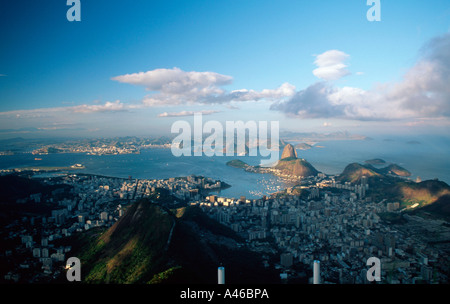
(314, 136)
(20, 145)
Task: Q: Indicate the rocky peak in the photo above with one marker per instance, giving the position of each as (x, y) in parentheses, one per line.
(289, 152)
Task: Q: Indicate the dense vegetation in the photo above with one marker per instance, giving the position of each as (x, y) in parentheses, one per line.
(131, 250)
(387, 184)
(151, 244)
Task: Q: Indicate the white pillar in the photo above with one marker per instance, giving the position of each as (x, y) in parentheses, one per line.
(221, 275)
(316, 272)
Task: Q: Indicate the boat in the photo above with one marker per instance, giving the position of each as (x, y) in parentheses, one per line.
(77, 166)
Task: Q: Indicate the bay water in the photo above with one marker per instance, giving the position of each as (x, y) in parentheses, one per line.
(427, 158)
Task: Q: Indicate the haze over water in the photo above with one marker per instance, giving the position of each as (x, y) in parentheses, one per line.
(426, 157)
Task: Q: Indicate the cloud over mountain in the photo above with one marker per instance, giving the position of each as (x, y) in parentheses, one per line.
(423, 92)
(425, 87)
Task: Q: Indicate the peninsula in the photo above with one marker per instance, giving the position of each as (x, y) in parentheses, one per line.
(289, 166)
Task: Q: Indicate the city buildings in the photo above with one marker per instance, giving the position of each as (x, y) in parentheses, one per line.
(336, 225)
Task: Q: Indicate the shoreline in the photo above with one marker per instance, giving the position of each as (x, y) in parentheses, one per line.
(331, 166)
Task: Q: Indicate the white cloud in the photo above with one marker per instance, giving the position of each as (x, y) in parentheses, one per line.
(187, 113)
(174, 86)
(107, 107)
(322, 100)
(71, 119)
(424, 91)
(52, 112)
(330, 65)
(285, 90)
(175, 81)
(232, 107)
(177, 87)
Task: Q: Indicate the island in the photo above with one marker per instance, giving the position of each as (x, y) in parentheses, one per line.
(375, 161)
(237, 163)
(303, 146)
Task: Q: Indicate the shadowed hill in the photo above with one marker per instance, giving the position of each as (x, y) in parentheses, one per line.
(14, 188)
(132, 250)
(440, 208)
(150, 244)
(430, 196)
(424, 193)
(200, 244)
(354, 172)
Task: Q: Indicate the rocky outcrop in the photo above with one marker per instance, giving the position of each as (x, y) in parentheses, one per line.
(289, 152)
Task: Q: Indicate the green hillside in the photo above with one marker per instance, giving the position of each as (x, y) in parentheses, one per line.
(150, 244)
(388, 184)
(424, 193)
(354, 172)
(132, 250)
(395, 170)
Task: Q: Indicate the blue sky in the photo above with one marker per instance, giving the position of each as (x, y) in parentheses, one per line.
(312, 65)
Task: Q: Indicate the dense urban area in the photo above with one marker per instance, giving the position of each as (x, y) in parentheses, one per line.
(320, 219)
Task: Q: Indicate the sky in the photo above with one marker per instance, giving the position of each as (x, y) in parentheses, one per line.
(133, 68)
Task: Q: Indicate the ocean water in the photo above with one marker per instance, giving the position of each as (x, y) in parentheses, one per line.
(427, 157)
(424, 157)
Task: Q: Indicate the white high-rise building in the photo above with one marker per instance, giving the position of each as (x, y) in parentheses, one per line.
(221, 275)
(316, 272)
